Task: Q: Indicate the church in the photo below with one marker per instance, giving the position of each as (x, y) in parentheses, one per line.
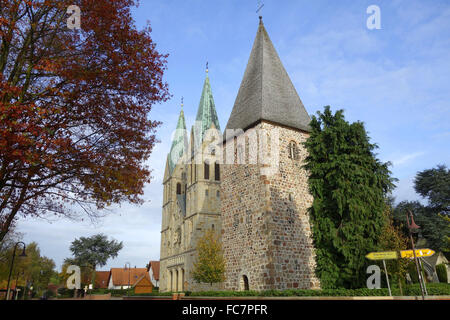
(247, 184)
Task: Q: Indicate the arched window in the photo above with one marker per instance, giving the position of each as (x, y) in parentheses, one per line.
(178, 188)
(206, 173)
(293, 150)
(217, 171)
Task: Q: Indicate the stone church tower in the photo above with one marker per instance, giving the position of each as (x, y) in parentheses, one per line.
(266, 233)
(191, 201)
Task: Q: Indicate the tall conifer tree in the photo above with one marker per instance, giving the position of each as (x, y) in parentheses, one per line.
(349, 185)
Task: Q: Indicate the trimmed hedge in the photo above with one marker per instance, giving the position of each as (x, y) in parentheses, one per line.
(410, 290)
(124, 292)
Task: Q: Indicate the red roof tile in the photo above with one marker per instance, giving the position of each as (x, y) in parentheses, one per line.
(122, 276)
(154, 265)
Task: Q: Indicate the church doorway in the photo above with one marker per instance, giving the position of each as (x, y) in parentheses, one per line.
(243, 285)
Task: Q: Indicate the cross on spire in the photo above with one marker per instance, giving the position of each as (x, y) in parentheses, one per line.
(260, 5)
(207, 69)
(182, 102)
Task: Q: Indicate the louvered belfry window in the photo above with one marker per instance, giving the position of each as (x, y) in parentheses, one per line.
(206, 173)
(217, 171)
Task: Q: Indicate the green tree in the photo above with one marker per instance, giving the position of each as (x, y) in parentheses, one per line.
(210, 265)
(349, 185)
(90, 253)
(434, 227)
(393, 239)
(434, 185)
(94, 251)
(441, 270)
(33, 269)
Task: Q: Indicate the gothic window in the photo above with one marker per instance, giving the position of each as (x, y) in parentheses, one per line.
(206, 173)
(178, 188)
(206, 192)
(217, 171)
(293, 151)
(218, 194)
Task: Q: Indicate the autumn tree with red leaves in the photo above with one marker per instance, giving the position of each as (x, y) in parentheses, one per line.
(73, 107)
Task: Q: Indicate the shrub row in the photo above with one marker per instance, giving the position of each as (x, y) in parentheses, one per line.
(410, 290)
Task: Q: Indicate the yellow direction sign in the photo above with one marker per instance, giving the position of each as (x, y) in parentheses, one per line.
(386, 255)
(419, 253)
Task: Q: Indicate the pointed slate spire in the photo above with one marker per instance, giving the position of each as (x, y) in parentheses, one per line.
(180, 141)
(206, 114)
(266, 91)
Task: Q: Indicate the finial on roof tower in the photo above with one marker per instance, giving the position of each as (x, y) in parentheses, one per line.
(182, 102)
(207, 67)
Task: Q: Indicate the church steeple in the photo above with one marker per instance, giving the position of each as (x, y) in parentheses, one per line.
(180, 141)
(266, 91)
(206, 114)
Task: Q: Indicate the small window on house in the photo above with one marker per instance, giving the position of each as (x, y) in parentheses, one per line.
(206, 173)
(206, 193)
(293, 150)
(217, 171)
(178, 188)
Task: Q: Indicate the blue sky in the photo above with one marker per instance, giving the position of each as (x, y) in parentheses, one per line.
(396, 80)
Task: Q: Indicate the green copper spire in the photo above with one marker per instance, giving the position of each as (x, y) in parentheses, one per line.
(179, 143)
(206, 114)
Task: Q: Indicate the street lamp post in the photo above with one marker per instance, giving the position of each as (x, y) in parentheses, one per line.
(129, 270)
(23, 254)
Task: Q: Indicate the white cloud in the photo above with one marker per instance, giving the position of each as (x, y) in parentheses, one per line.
(406, 158)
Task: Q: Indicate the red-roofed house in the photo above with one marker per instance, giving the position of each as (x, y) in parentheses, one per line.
(101, 279)
(153, 271)
(121, 278)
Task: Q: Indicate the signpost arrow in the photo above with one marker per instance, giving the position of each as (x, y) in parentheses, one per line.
(419, 253)
(384, 255)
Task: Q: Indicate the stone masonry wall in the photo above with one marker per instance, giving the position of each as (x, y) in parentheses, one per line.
(265, 226)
